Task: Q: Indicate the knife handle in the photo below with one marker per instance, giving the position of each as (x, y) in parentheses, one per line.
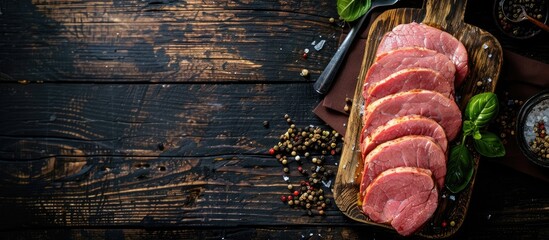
(326, 78)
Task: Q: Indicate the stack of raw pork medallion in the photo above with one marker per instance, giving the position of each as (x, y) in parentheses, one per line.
(410, 115)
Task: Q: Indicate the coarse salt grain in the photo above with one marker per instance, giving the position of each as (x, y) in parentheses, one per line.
(319, 45)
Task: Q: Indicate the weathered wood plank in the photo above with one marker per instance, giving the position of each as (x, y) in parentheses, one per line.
(164, 41)
(305, 233)
(180, 41)
(48, 120)
(310, 233)
(94, 155)
(229, 190)
(170, 209)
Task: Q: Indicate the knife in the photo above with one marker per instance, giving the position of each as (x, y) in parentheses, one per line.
(326, 78)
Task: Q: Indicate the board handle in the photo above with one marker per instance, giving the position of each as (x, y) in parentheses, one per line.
(448, 13)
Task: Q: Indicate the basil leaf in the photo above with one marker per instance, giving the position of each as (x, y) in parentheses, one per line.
(350, 10)
(481, 108)
(460, 168)
(489, 145)
(477, 135)
(468, 128)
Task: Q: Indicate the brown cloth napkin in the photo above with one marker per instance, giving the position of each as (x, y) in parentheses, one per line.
(521, 78)
(331, 108)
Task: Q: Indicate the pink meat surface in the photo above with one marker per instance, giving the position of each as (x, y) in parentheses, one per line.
(408, 79)
(405, 197)
(404, 58)
(404, 126)
(421, 35)
(414, 102)
(408, 151)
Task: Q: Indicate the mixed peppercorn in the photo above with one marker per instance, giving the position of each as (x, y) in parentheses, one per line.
(511, 8)
(540, 145)
(307, 150)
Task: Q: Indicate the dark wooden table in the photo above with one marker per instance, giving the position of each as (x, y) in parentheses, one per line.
(145, 119)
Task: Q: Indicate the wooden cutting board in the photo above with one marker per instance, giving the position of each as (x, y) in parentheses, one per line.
(485, 59)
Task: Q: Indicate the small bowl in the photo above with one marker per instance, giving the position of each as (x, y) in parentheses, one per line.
(534, 111)
(538, 9)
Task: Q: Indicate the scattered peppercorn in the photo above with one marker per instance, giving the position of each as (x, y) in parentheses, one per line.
(443, 224)
(507, 117)
(348, 104)
(308, 145)
(304, 73)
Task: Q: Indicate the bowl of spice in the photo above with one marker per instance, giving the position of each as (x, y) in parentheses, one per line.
(533, 123)
(506, 12)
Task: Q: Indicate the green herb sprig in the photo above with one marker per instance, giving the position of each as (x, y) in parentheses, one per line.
(480, 110)
(350, 10)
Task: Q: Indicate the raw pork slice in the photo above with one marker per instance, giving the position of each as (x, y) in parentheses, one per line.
(403, 126)
(408, 79)
(414, 102)
(403, 58)
(407, 151)
(421, 35)
(405, 197)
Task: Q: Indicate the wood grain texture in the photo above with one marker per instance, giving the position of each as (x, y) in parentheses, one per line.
(131, 120)
(163, 41)
(485, 59)
(143, 119)
(516, 211)
(148, 154)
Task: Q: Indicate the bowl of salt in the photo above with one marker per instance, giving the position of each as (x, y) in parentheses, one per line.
(532, 126)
